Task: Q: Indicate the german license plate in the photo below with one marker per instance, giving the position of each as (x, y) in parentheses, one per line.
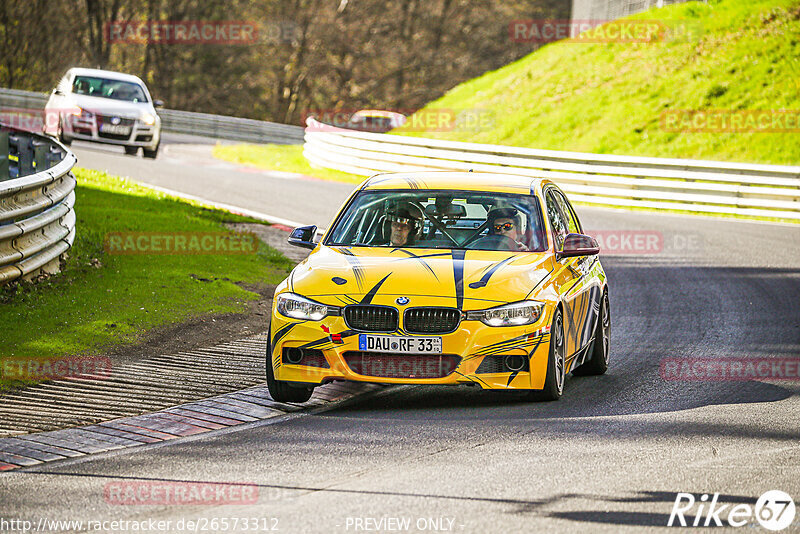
(117, 129)
(399, 344)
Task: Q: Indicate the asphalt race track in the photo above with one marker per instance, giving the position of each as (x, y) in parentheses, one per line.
(610, 456)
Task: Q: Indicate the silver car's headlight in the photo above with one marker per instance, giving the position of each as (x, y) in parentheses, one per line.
(148, 119)
(514, 314)
(297, 307)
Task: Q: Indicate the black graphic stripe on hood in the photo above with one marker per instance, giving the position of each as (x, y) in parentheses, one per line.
(420, 259)
(374, 291)
(458, 276)
(355, 264)
(485, 279)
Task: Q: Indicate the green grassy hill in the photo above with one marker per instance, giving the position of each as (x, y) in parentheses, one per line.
(609, 97)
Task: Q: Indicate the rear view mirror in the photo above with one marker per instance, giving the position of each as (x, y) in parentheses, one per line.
(578, 245)
(303, 237)
(158, 103)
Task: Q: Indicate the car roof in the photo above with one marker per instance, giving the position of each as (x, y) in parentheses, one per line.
(121, 76)
(465, 181)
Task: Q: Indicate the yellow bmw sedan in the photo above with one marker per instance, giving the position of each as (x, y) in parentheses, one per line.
(443, 278)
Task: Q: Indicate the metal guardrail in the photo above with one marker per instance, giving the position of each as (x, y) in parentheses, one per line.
(182, 122)
(742, 189)
(37, 197)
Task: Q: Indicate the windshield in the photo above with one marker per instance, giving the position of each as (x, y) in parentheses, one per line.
(105, 88)
(441, 219)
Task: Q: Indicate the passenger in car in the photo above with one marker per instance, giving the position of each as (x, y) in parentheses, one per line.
(506, 222)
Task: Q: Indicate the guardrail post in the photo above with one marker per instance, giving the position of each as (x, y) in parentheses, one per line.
(25, 154)
(40, 158)
(4, 169)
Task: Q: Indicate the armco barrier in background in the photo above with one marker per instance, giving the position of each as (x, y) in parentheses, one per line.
(185, 122)
(37, 196)
(742, 189)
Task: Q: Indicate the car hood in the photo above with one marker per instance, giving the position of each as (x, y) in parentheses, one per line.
(466, 279)
(109, 106)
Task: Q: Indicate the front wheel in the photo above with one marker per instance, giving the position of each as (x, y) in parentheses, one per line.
(279, 390)
(151, 154)
(597, 364)
(556, 364)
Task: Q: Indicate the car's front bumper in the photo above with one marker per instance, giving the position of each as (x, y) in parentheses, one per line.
(87, 129)
(478, 353)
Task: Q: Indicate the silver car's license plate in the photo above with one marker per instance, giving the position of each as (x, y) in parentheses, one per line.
(399, 344)
(117, 129)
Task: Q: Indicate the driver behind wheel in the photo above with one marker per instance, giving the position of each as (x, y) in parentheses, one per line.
(406, 222)
(506, 222)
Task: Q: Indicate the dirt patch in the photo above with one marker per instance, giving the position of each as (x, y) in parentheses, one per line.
(204, 331)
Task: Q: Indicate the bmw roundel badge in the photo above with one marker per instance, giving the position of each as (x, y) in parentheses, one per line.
(402, 301)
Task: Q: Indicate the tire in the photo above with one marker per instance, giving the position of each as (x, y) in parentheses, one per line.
(66, 141)
(131, 150)
(597, 364)
(151, 154)
(279, 390)
(554, 380)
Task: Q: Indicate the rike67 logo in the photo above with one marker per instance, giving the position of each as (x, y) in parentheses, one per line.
(774, 510)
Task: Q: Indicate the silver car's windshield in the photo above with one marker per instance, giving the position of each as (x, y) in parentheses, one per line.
(106, 88)
(441, 219)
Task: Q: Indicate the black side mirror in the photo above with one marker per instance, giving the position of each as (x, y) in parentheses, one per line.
(303, 237)
(58, 92)
(578, 245)
(158, 103)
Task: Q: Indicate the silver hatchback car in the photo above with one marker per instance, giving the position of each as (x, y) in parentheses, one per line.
(105, 107)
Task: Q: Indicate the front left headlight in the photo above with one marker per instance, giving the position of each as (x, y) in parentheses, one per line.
(514, 314)
(296, 307)
(148, 119)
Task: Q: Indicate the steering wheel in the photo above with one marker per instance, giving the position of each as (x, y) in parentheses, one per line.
(495, 242)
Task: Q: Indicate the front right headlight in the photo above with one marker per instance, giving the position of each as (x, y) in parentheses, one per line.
(514, 314)
(297, 307)
(148, 119)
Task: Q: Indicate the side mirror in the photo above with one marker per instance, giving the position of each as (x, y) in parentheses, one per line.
(303, 237)
(578, 245)
(158, 103)
(58, 92)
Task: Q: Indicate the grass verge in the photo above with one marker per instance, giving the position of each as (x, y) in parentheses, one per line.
(102, 300)
(610, 98)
